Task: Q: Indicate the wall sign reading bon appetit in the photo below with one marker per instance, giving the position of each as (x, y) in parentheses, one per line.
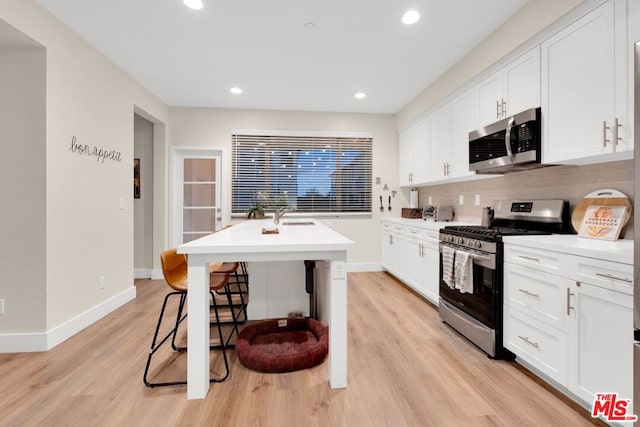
(100, 154)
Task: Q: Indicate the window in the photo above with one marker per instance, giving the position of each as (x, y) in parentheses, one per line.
(318, 174)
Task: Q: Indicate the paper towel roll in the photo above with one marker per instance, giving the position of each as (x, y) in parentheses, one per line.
(413, 199)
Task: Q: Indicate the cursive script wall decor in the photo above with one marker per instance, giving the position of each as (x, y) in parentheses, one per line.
(100, 153)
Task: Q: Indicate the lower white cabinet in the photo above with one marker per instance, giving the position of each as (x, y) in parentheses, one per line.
(574, 324)
(411, 255)
(600, 346)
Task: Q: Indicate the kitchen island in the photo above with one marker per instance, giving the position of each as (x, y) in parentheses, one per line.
(296, 240)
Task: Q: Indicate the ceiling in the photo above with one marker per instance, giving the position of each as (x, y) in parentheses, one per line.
(307, 55)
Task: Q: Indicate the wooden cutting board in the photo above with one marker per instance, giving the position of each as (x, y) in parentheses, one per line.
(605, 197)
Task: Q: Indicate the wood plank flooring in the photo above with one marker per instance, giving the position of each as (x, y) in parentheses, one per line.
(406, 368)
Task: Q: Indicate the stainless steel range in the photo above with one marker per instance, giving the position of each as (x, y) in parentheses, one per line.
(471, 279)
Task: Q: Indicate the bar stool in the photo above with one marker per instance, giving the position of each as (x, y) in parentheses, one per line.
(174, 269)
(237, 287)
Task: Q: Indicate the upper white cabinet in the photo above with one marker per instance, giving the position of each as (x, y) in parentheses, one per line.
(513, 89)
(413, 146)
(584, 82)
(450, 127)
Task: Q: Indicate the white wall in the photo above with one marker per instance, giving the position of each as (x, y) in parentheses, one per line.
(87, 235)
(143, 207)
(201, 127)
(22, 186)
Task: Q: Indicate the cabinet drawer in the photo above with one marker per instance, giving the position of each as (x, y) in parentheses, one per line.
(541, 295)
(413, 233)
(537, 344)
(605, 274)
(552, 262)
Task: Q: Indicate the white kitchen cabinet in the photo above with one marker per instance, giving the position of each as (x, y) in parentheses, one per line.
(600, 342)
(450, 127)
(388, 234)
(534, 320)
(410, 258)
(440, 142)
(413, 153)
(570, 317)
(411, 255)
(584, 89)
(515, 88)
(431, 267)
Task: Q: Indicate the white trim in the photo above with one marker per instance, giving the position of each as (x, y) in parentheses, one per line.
(178, 152)
(156, 274)
(41, 341)
(141, 273)
(307, 133)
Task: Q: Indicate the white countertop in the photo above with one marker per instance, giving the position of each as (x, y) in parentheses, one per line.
(618, 251)
(247, 237)
(420, 223)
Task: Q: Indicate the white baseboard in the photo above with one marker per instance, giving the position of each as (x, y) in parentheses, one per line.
(43, 341)
(142, 273)
(156, 274)
(363, 266)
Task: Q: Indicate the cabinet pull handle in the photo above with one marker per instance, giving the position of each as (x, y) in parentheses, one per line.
(569, 295)
(444, 169)
(528, 341)
(524, 291)
(616, 126)
(604, 133)
(529, 258)
(498, 109)
(390, 239)
(448, 168)
(610, 276)
(504, 107)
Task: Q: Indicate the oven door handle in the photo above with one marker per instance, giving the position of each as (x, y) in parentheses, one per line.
(480, 257)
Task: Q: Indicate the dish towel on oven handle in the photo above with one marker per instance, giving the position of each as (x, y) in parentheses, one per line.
(448, 255)
(463, 272)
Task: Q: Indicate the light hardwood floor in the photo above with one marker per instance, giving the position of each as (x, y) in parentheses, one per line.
(406, 368)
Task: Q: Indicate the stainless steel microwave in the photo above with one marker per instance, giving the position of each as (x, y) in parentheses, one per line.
(508, 145)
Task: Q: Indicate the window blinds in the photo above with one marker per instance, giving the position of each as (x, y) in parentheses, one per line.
(309, 173)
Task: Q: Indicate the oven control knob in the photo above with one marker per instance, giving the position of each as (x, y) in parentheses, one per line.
(460, 240)
(478, 244)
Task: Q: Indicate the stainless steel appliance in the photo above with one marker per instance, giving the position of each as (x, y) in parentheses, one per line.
(437, 213)
(475, 309)
(510, 144)
(636, 243)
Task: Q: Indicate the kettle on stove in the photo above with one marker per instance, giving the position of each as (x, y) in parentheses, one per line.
(487, 217)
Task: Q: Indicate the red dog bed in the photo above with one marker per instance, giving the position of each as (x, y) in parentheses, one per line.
(283, 345)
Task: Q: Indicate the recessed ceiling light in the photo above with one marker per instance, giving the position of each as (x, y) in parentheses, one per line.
(193, 4)
(360, 95)
(410, 17)
(236, 90)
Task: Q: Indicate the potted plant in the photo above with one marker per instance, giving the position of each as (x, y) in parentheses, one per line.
(256, 211)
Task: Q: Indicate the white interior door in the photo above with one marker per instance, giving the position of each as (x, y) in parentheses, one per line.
(196, 194)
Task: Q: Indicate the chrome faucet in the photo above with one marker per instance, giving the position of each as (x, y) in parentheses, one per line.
(279, 213)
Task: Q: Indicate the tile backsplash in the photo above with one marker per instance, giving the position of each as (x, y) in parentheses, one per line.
(570, 183)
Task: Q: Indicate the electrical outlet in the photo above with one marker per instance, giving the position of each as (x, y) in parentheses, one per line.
(430, 201)
(461, 200)
(102, 281)
(1, 305)
(477, 201)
